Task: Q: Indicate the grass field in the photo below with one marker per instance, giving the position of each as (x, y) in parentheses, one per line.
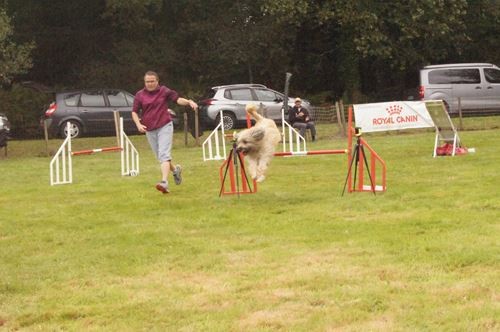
(112, 253)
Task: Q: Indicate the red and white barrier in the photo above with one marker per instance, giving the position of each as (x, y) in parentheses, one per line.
(310, 153)
(61, 168)
(114, 148)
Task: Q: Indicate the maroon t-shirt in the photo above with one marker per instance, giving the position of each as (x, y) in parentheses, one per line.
(154, 106)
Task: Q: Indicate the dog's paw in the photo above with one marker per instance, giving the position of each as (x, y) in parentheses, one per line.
(260, 178)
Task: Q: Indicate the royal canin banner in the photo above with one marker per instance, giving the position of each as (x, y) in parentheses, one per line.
(394, 115)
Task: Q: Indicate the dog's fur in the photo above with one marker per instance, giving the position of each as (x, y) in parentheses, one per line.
(258, 143)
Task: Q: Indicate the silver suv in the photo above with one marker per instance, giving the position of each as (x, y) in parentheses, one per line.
(477, 85)
(232, 99)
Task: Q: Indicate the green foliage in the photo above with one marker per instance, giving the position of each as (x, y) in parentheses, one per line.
(340, 47)
(132, 17)
(24, 107)
(111, 253)
(15, 58)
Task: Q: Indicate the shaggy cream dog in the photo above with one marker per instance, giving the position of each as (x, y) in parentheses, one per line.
(258, 143)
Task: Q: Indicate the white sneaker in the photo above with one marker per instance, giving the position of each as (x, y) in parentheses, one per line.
(177, 174)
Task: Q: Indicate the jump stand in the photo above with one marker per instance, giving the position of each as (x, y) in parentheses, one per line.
(233, 165)
(214, 146)
(356, 182)
(61, 167)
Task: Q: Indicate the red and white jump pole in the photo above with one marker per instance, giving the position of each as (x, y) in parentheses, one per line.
(309, 153)
(83, 152)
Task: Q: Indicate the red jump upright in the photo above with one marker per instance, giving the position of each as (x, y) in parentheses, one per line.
(238, 183)
(360, 174)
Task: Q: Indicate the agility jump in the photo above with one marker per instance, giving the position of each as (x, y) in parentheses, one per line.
(61, 165)
(355, 181)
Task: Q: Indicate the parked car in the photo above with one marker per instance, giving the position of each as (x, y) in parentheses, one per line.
(476, 84)
(232, 99)
(4, 130)
(90, 112)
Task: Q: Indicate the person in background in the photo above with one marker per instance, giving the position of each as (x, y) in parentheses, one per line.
(300, 119)
(151, 116)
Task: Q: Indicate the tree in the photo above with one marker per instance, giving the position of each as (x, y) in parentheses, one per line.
(14, 59)
(368, 39)
(483, 24)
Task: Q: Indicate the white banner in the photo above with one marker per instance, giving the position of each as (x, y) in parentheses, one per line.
(394, 115)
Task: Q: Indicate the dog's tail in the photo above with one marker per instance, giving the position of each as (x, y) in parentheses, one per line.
(252, 110)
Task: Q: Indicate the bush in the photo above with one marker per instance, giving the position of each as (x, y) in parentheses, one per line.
(24, 107)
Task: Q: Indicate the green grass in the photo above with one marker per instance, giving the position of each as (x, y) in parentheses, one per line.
(111, 253)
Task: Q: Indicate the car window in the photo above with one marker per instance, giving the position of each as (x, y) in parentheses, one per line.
(454, 76)
(117, 98)
(210, 93)
(492, 75)
(71, 99)
(238, 94)
(92, 99)
(265, 95)
(130, 99)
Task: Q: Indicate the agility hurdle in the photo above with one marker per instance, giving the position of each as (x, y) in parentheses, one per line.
(61, 168)
(356, 182)
(214, 146)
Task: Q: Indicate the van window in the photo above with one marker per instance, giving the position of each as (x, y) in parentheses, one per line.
(454, 76)
(492, 75)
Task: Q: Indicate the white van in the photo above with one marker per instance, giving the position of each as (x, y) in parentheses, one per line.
(477, 85)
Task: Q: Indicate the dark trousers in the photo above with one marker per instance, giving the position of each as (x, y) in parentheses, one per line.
(302, 126)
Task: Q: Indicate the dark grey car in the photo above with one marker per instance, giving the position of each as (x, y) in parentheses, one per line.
(90, 112)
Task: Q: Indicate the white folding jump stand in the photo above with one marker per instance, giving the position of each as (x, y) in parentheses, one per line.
(214, 146)
(61, 168)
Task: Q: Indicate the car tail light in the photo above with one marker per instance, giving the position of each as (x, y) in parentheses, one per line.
(208, 101)
(421, 91)
(50, 111)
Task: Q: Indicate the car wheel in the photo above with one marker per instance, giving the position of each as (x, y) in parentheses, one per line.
(229, 121)
(446, 106)
(75, 129)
